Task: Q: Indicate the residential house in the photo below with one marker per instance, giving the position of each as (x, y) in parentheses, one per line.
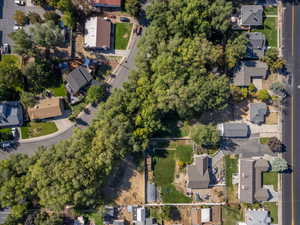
(257, 217)
(251, 16)
(109, 214)
(206, 216)
(11, 114)
(77, 79)
(256, 45)
(250, 180)
(258, 112)
(198, 176)
(97, 33)
(248, 70)
(107, 3)
(46, 108)
(233, 130)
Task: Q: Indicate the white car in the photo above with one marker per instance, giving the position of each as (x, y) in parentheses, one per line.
(20, 2)
(14, 132)
(17, 27)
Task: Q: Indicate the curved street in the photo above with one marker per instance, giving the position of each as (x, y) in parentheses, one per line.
(121, 76)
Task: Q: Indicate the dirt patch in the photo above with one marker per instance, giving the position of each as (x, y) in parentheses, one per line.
(126, 185)
(272, 118)
(266, 84)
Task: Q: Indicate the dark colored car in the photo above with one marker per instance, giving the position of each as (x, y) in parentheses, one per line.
(124, 19)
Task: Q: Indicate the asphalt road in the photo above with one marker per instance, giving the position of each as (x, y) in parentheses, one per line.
(291, 119)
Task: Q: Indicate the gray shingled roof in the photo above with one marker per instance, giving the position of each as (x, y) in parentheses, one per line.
(77, 79)
(11, 114)
(252, 15)
(257, 217)
(118, 222)
(235, 130)
(198, 173)
(249, 69)
(250, 186)
(151, 192)
(256, 46)
(258, 112)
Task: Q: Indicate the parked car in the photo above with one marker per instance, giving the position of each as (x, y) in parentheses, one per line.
(139, 30)
(6, 145)
(14, 132)
(20, 2)
(112, 16)
(17, 27)
(124, 19)
(106, 18)
(5, 48)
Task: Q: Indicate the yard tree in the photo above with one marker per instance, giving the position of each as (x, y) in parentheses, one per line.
(235, 50)
(20, 18)
(69, 19)
(205, 135)
(252, 89)
(95, 94)
(34, 17)
(263, 95)
(275, 144)
(22, 43)
(275, 63)
(51, 15)
(43, 218)
(10, 74)
(46, 35)
(133, 7)
(28, 99)
(279, 164)
(8, 93)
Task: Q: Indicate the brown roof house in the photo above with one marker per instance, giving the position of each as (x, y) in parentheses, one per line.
(250, 185)
(198, 173)
(97, 33)
(47, 108)
(107, 3)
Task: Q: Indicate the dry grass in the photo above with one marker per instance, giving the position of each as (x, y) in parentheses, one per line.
(272, 118)
(266, 84)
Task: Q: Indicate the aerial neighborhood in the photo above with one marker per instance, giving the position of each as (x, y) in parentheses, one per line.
(147, 112)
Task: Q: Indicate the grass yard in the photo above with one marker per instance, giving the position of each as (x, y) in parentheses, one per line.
(271, 10)
(231, 216)
(96, 218)
(231, 164)
(184, 153)
(270, 30)
(273, 209)
(271, 178)
(37, 129)
(164, 167)
(122, 35)
(9, 57)
(169, 194)
(264, 140)
(59, 91)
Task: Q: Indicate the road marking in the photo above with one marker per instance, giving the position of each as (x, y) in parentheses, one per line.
(293, 31)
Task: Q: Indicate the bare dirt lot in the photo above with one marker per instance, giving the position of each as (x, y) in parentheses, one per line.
(125, 185)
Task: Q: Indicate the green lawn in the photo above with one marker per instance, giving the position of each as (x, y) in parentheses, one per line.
(231, 165)
(270, 10)
(96, 218)
(273, 209)
(164, 167)
(37, 129)
(169, 194)
(15, 58)
(231, 216)
(270, 30)
(184, 153)
(264, 140)
(271, 178)
(122, 35)
(59, 91)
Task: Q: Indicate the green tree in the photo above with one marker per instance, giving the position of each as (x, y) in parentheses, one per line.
(205, 135)
(20, 18)
(43, 218)
(10, 74)
(52, 15)
(279, 164)
(263, 95)
(133, 7)
(238, 94)
(275, 63)
(275, 144)
(28, 99)
(34, 17)
(235, 50)
(8, 93)
(69, 19)
(22, 43)
(252, 89)
(95, 94)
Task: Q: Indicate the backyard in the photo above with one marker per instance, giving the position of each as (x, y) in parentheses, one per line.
(164, 173)
(59, 90)
(271, 178)
(231, 164)
(231, 215)
(270, 30)
(122, 35)
(37, 129)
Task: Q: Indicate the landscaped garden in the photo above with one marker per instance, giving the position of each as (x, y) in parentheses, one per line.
(164, 173)
(269, 30)
(122, 35)
(271, 178)
(37, 129)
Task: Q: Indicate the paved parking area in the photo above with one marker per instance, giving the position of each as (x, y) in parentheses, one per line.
(7, 11)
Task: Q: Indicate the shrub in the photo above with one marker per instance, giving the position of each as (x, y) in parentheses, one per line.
(34, 18)
(52, 15)
(279, 164)
(263, 95)
(20, 18)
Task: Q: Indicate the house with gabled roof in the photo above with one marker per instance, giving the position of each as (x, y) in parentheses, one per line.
(251, 16)
(107, 3)
(11, 114)
(233, 130)
(258, 112)
(77, 79)
(256, 45)
(257, 217)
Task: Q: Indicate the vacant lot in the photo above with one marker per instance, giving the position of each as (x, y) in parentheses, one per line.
(37, 129)
(122, 35)
(270, 30)
(271, 178)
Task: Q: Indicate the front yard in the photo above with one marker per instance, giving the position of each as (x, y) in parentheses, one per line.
(122, 35)
(273, 209)
(271, 178)
(37, 129)
(270, 30)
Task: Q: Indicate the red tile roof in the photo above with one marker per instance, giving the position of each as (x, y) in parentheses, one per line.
(114, 3)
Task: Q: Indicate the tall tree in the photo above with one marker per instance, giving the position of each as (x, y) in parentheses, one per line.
(205, 135)
(10, 74)
(23, 45)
